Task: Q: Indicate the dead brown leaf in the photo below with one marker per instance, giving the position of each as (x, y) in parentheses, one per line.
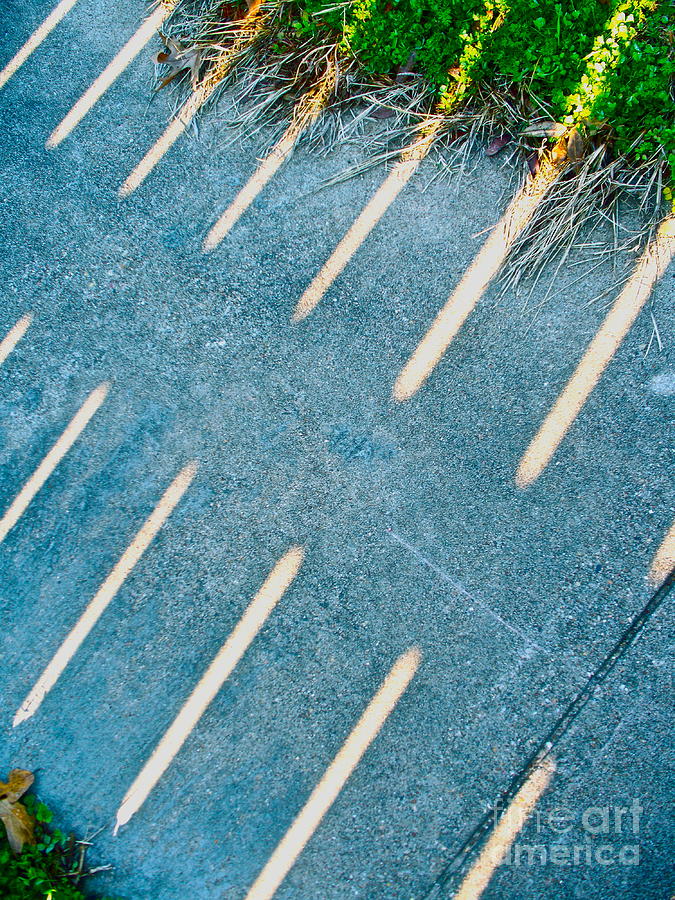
(19, 780)
(498, 144)
(559, 152)
(179, 59)
(575, 146)
(18, 822)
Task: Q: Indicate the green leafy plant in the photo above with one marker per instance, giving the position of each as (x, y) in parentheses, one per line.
(627, 82)
(542, 43)
(385, 33)
(37, 861)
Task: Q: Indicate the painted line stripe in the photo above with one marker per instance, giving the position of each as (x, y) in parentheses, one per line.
(105, 593)
(664, 560)
(74, 429)
(35, 40)
(509, 826)
(306, 111)
(109, 75)
(251, 27)
(263, 175)
(368, 218)
(650, 267)
(173, 131)
(13, 336)
(475, 281)
(334, 779)
(275, 586)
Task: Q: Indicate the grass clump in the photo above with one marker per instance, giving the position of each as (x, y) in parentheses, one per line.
(605, 66)
(581, 61)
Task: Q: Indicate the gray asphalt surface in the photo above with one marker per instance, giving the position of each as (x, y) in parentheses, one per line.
(414, 531)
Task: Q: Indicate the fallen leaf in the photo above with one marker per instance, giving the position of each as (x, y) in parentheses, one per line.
(179, 59)
(19, 780)
(533, 163)
(545, 128)
(18, 822)
(575, 146)
(498, 144)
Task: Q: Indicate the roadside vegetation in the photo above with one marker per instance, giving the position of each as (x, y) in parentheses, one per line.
(589, 83)
(37, 860)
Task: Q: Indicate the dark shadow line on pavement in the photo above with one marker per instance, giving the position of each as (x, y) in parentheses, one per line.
(560, 728)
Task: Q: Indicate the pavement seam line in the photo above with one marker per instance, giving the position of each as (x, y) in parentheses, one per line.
(511, 823)
(463, 591)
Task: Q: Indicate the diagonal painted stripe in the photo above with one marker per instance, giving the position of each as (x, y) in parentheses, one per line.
(173, 131)
(650, 267)
(251, 28)
(664, 560)
(110, 74)
(74, 429)
(13, 336)
(275, 586)
(475, 281)
(334, 779)
(509, 826)
(263, 175)
(307, 110)
(35, 40)
(368, 218)
(105, 593)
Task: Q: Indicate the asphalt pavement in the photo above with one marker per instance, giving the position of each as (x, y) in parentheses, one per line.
(409, 538)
